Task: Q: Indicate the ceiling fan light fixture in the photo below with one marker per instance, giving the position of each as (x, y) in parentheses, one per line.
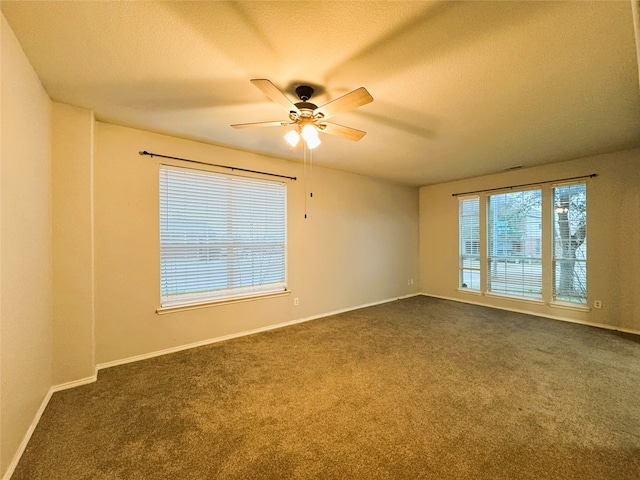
(313, 142)
(309, 132)
(292, 137)
(310, 135)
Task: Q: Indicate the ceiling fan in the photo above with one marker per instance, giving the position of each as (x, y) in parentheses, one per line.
(306, 118)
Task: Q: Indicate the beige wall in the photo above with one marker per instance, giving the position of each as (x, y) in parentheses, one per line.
(359, 245)
(25, 246)
(613, 233)
(73, 278)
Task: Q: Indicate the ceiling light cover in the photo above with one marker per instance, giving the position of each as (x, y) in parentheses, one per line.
(292, 137)
(313, 143)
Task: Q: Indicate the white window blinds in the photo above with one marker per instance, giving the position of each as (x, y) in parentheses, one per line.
(514, 231)
(570, 243)
(221, 236)
(469, 237)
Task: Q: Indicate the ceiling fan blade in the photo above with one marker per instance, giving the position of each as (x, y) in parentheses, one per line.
(345, 103)
(260, 124)
(341, 131)
(271, 91)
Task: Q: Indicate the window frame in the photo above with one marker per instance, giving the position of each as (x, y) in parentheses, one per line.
(582, 300)
(545, 246)
(517, 264)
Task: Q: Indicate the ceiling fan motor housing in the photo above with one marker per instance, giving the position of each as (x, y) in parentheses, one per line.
(304, 92)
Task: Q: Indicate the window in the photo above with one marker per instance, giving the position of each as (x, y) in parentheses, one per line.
(514, 244)
(570, 243)
(520, 246)
(221, 237)
(469, 210)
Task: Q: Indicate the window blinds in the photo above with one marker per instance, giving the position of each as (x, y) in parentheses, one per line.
(469, 237)
(570, 243)
(515, 244)
(221, 236)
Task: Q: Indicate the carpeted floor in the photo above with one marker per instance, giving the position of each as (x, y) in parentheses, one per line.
(415, 389)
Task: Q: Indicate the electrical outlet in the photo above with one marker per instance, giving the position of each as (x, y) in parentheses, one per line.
(296, 302)
(411, 281)
(597, 304)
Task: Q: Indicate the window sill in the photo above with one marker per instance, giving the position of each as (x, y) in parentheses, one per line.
(560, 305)
(213, 303)
(533, 301)
(570, 306)
(469, 291)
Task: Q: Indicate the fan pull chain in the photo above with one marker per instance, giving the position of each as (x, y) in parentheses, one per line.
(309, 152)
(304, 147)
(311, 173)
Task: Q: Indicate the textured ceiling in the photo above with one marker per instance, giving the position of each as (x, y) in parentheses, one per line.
(461, 88)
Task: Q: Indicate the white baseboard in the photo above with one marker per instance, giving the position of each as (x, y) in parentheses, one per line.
(27, 436)
(223, 338)
(74, 383)
(527, 312)
(36, 419)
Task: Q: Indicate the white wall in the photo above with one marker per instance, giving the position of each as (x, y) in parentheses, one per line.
(613, 202)
(359, 245)
(25, 246)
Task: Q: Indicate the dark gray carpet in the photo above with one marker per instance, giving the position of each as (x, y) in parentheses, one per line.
(415, 389)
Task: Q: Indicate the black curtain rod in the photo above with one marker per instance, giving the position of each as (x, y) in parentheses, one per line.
(144, 152)
(525, 185)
